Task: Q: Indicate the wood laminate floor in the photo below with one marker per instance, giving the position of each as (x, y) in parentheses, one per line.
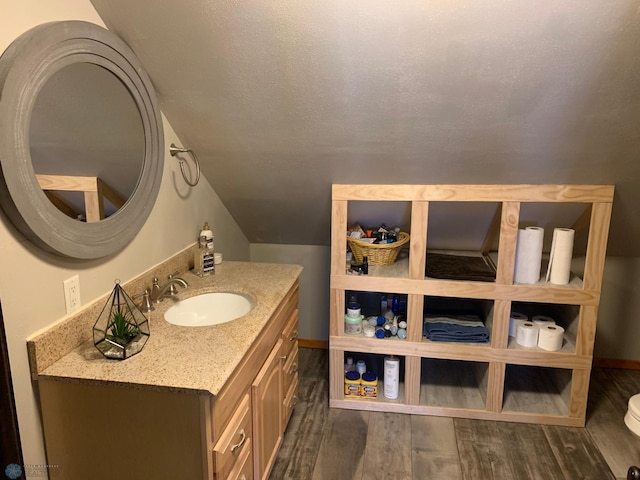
(334, 444)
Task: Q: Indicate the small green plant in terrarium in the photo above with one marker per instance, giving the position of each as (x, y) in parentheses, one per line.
(122, 331)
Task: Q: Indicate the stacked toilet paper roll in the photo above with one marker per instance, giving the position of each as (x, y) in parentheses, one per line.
(559, 271)
(540, 331)
(527, 335)
(515, 320)
(550, 337)
(542, 320)
(529, 255)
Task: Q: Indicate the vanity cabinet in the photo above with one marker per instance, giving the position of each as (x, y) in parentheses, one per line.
(267, 415)
(103, 430)
(290, 372)
(274, 394)
(499, 380)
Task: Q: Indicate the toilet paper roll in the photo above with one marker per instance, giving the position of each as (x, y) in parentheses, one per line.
(528, 255)
(550, 337)
(527, 335)
(559, 271)
(515, 320)
(542, 320)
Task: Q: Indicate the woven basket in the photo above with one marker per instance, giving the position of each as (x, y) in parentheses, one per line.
(378, 255)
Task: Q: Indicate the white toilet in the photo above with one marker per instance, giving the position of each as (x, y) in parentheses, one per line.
(632, 418)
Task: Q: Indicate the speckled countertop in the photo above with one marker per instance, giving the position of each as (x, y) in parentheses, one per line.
(188, 359)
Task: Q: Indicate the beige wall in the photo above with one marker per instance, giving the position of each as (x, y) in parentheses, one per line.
(619, 316)
(314, 282)
(31, 292)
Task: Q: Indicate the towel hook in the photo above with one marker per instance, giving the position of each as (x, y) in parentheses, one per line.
(175, 150)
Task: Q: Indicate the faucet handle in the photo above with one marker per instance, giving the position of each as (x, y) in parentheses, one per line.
(173, 290)
(145, 304)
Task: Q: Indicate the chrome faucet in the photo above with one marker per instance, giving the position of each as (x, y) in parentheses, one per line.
(158, 293)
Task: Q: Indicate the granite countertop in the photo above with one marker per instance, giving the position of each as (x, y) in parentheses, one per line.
(188, 359)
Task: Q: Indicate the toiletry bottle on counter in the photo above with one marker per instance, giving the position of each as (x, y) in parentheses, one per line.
(208, 234)
(203, 261)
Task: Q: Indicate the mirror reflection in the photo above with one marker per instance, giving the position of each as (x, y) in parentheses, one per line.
(86, 141)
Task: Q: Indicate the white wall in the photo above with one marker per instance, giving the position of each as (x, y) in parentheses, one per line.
(31, 293)
(314, 282)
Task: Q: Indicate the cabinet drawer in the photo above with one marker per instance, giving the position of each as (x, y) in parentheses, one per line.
(290, 368)
(234, 441)
(290, 333)
(290, 401)
(243, 469)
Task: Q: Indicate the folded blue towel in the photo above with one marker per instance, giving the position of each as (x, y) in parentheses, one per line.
(455, 328)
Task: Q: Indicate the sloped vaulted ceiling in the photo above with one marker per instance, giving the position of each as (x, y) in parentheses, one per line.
(282, 98)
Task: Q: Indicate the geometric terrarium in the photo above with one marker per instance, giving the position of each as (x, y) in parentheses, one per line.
(121, 329)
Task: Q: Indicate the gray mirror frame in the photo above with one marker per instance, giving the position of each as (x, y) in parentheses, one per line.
(24, 67)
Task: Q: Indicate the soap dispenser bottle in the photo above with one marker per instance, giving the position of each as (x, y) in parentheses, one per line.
(208, 234)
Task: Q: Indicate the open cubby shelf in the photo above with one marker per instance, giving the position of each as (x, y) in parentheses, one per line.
(499, 380)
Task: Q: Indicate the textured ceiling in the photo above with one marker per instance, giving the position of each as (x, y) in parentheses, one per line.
(280, 99)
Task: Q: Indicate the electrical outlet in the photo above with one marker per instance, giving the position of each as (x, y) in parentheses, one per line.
(72, 294)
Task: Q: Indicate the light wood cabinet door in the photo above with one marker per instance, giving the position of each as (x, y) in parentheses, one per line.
(267, 395)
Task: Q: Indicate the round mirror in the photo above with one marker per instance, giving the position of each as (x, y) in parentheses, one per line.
(86, 125)
(81, 142)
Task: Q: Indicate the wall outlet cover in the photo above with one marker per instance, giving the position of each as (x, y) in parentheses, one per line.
(72, 294)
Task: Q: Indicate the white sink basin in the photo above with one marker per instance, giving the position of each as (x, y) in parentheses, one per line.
(209, 309)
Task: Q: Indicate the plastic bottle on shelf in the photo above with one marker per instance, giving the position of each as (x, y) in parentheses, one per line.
(353, 307)
(349, 366)
(394, 326)
(369, 385)
(391, 377)
(395, 306)
(352, 384)
(349, 260)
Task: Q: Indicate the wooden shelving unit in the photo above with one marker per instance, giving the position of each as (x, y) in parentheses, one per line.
(499, 380)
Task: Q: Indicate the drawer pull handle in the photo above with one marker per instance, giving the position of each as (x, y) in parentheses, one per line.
(243, 437)
(284, 357)
(294, 369)
(294, 337)
(243, 477)
(294, 401)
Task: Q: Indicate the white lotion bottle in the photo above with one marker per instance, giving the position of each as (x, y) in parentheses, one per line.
(208, 234)
(391, 377)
